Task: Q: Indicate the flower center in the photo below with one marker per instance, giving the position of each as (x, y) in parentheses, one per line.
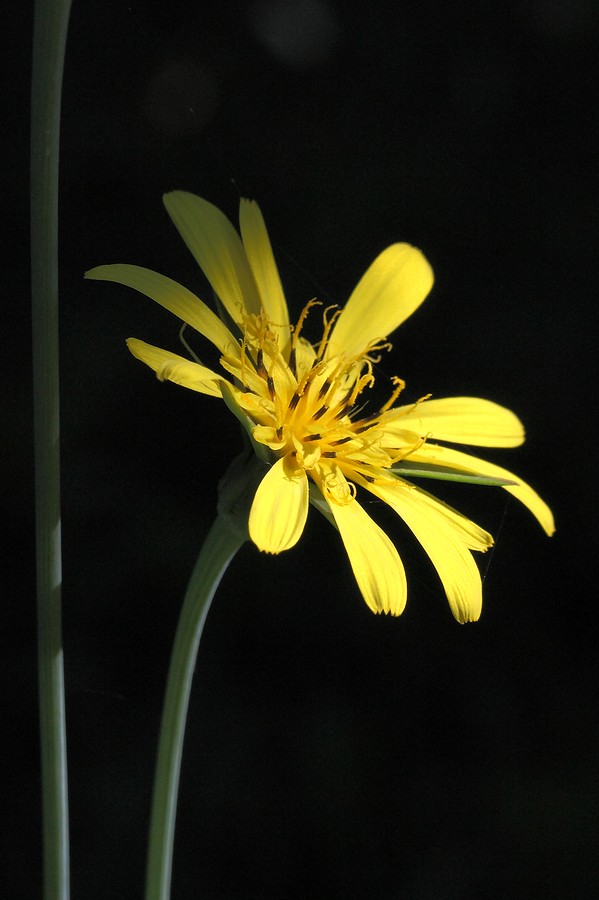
(307, 404)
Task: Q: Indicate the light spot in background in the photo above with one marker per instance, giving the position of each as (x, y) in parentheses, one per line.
(180, 97)
(566, 19)
(300, 33)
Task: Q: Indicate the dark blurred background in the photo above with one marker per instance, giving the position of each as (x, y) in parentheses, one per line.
(330, 753)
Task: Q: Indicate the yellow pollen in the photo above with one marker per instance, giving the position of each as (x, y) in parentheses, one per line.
(362, 382)
(383, 345)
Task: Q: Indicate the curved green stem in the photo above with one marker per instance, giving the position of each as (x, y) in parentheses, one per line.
(49, 39)
(220, 546)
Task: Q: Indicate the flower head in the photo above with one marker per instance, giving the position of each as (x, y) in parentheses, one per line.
(303, 405)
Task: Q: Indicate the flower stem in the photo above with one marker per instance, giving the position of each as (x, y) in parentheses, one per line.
(220, 546)
(49, 39)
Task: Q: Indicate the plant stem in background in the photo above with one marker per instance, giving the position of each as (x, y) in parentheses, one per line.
(49, 39)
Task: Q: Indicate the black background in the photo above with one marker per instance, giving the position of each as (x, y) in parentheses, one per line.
(330, 753)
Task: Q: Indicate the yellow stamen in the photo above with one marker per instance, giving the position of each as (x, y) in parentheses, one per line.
(328, 324)
(399, 386)
(300, 322)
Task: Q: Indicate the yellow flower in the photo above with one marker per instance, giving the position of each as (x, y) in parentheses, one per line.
(303, 404)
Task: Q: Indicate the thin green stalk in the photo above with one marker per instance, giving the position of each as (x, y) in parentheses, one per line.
(49, 39)
(220, 546)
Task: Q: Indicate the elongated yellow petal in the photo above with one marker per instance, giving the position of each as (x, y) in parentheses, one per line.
(171, 367)
(464, 462)
(442, 537)
(217, 249)
(280, 507)
(171, 296)
(374, 559)
(467, 531)
(465, 420)
(266, 275)
(390, 290)
(375, 562)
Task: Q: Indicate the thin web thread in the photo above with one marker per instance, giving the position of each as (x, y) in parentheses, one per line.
(496, 542)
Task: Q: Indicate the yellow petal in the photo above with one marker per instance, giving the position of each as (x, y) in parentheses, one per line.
(305, 356)
(471, 534)
(374, 559)
(171, 367)
(465, 420)
(280, 507)
(253, 405)
(268, 435)
(218, 251)
(390, 290)
(464, 462)
(171, 296)
(442, 537)
(266, 275)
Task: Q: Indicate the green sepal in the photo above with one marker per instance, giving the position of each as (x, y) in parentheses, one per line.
(440, 473)
(319, 503)
(237, 489)
(191, 352)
